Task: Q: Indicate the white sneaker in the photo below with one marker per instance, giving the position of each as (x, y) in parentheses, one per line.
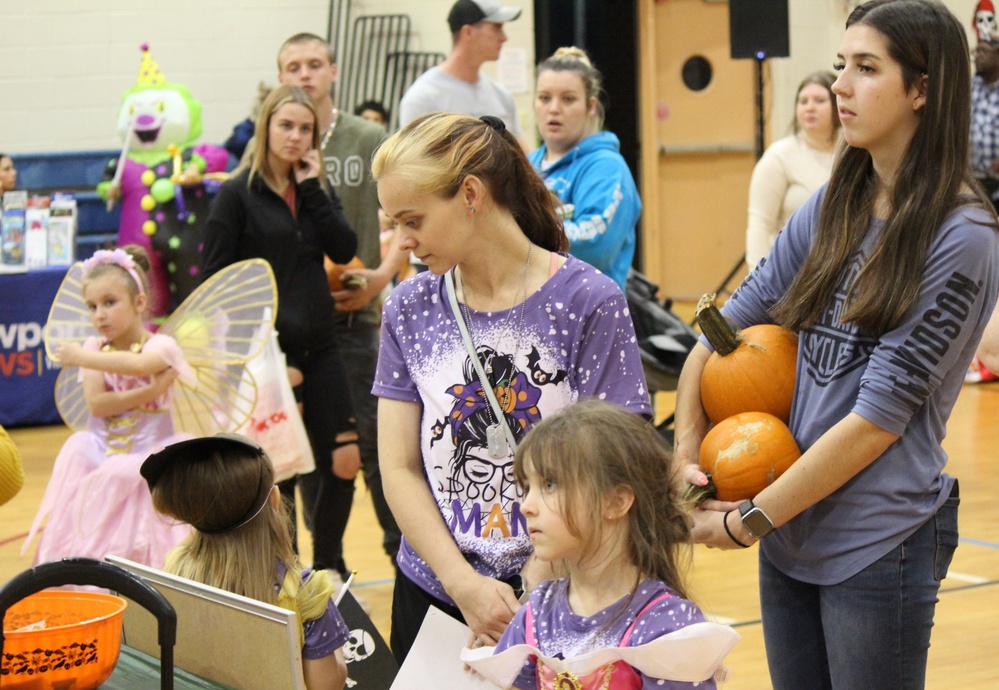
(336, 579)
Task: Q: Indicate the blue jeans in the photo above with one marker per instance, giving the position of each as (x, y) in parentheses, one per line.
(871, 630)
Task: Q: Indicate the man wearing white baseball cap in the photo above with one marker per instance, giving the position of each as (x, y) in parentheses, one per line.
(474, 11)
(456, 85)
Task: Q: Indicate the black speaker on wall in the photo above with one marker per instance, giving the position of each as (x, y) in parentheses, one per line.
(758, 29)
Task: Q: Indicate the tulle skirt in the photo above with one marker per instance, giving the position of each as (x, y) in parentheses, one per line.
(98, 505)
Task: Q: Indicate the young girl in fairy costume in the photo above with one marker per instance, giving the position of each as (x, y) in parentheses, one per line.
(602, 506)
(96, 502)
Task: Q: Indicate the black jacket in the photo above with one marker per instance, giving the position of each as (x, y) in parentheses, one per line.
(254, 222)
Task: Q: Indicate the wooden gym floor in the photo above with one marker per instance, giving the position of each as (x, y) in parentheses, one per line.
(723, 582)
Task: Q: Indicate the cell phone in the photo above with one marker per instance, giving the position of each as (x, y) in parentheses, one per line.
(303, 165)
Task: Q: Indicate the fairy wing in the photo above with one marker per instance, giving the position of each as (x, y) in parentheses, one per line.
(222, 324)
(69, 322)
(225, 321)
(221, 399)
(69, 319)
(70, 402)
(229, 317)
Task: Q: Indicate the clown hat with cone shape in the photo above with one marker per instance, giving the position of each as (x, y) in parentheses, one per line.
(149, 70)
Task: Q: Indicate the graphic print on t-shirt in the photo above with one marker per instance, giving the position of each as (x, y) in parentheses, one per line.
(830, 348)
(474, 483)
(571, 339)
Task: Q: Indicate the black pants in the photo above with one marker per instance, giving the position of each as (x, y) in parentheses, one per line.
(409, 606)
(326, 410)
(358, 345)
(338, 499)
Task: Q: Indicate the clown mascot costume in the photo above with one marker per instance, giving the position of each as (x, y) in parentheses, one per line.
(160, 180)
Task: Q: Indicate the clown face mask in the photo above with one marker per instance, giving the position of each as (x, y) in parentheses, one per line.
(157, 117)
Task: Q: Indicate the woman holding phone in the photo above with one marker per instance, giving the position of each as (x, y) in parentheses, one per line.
(278, 209)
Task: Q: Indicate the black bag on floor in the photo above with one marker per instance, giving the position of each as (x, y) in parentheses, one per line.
(370, 664)
(664, 338)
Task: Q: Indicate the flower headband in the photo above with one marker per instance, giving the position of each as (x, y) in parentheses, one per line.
(118, 257)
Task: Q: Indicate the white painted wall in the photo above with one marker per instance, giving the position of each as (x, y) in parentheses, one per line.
(64, 64)
(816, 27)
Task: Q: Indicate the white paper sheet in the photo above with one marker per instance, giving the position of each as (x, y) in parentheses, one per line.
(512, 70)
(435, 659)
(690, 654)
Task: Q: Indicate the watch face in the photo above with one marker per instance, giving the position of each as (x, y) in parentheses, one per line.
(757, 523)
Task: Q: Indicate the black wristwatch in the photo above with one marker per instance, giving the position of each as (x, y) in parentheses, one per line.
(517, 582)
(756, 521)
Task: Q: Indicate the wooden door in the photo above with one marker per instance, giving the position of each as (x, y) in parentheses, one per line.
(698, 145)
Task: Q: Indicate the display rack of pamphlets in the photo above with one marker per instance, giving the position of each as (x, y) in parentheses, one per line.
(37, 231)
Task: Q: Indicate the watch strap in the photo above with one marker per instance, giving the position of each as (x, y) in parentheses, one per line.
(729, 532)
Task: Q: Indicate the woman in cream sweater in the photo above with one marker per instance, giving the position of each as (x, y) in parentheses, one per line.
(792, 168)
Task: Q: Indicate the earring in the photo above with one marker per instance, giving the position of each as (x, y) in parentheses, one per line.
(471, 209)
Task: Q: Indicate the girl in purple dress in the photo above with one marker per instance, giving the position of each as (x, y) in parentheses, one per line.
(602, 506)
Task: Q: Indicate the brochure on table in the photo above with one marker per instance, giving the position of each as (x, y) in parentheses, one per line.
(36, 231)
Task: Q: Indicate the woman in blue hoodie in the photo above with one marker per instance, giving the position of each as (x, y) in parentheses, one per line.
(583, 166)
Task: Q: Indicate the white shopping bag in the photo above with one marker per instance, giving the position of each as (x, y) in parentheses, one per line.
(276, 423)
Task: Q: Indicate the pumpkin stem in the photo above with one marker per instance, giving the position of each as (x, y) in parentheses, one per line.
(697, 494)
(715, 327)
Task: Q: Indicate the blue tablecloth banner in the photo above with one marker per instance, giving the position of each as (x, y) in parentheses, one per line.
(27, 376)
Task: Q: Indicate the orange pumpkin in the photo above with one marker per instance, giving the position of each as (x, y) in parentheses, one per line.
(335, 271)
(750, 371)
(744, 454)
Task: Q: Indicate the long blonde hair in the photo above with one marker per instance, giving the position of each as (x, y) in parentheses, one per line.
(437, 152)
(214, 490)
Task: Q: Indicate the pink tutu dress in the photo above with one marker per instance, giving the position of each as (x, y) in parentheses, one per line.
(96, 502)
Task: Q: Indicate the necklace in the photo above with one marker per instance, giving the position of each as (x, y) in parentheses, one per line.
(135, 347)
(329, 130)
(495, 437)
(567, 680)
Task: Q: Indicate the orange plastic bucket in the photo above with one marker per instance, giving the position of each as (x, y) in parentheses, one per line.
(61, 639)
